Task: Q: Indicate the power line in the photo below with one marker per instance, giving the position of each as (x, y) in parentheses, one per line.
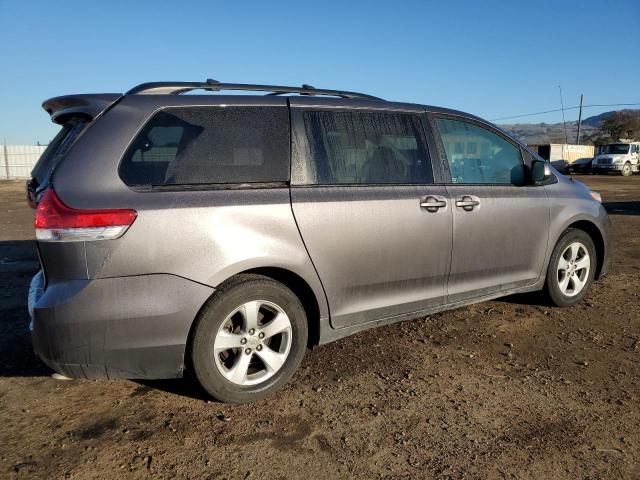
(567, 108)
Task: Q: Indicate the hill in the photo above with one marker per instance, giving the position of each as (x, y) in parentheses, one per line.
(540, 133)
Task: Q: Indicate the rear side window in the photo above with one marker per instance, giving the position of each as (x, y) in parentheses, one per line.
(477, 155)
(367, 148)
(210, 145)
(58, 147)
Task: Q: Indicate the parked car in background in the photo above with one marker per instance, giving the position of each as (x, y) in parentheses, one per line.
(582, 165)
(562, 155)
(623, 158)
(223, 234)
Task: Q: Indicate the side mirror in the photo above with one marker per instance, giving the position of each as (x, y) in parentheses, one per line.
(540, 171)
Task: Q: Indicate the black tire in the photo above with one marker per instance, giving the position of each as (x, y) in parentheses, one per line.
(626, 170)
(239, 290)
(552, 287)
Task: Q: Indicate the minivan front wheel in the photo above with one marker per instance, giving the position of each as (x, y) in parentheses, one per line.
(571, 268)
(626, 170)
(249, 339)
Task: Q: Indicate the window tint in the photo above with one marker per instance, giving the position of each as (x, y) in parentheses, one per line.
(58, 147)
(204, 145)
(366, 148)
(476, 155)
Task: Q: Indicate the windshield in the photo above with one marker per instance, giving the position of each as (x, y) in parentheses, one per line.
(615, 149)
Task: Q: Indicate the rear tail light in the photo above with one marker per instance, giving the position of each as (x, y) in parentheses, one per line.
(55, 222)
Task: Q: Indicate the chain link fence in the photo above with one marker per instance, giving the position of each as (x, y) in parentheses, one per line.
(16, 161)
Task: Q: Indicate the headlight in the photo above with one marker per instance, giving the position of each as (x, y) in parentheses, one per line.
(618, 160)
(596, 196)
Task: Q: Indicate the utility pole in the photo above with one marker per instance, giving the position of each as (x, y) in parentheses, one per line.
(579, 120)
(6, 159)
(566, 138)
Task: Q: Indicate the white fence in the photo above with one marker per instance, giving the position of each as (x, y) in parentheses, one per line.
(16, 161)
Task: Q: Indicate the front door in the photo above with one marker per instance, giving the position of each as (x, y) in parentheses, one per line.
(500, 222)
(376, 227)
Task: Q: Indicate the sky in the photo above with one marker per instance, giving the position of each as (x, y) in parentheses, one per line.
(493, 59)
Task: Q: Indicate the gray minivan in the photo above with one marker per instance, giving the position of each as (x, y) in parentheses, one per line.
(221, 235)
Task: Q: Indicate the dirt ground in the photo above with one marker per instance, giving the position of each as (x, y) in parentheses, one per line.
(503, 389)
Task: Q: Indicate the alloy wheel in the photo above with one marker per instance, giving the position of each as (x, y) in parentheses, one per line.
(253, 342)
(573, 269)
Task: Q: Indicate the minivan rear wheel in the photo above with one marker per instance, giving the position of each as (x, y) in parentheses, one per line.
(249, 339)
(571, 268)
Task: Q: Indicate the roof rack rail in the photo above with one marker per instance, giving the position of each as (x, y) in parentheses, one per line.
(176, 88)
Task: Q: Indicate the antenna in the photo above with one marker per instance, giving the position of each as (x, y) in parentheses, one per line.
(566, 138)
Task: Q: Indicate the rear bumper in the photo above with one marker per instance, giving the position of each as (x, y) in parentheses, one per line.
(125, 327)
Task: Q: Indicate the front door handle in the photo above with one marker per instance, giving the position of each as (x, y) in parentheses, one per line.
(467, 203)
(432, 204)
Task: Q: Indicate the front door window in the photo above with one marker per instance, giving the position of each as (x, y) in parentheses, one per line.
(479, 156)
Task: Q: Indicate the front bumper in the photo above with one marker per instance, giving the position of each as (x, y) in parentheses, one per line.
(124, 327)
(611, 168)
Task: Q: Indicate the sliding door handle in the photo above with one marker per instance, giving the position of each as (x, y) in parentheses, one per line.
(433, 204)
(467, 203)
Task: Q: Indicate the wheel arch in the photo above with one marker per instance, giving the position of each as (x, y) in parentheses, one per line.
(301, 288)
(597, 237)
(297, 284)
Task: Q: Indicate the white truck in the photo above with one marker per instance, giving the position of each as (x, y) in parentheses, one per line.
(618, 157)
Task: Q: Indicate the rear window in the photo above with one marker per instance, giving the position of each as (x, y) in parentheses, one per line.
(210, 145)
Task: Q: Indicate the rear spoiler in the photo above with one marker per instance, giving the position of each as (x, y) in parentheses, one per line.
(91, 105)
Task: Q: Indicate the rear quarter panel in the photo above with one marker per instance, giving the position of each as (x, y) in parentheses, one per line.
(207, 237)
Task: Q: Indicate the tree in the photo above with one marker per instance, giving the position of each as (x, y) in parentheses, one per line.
(622, 124)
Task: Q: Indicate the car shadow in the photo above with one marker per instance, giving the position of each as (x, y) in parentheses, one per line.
(622, 208)
(18, 264)
(184, 387)
(531, 298)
